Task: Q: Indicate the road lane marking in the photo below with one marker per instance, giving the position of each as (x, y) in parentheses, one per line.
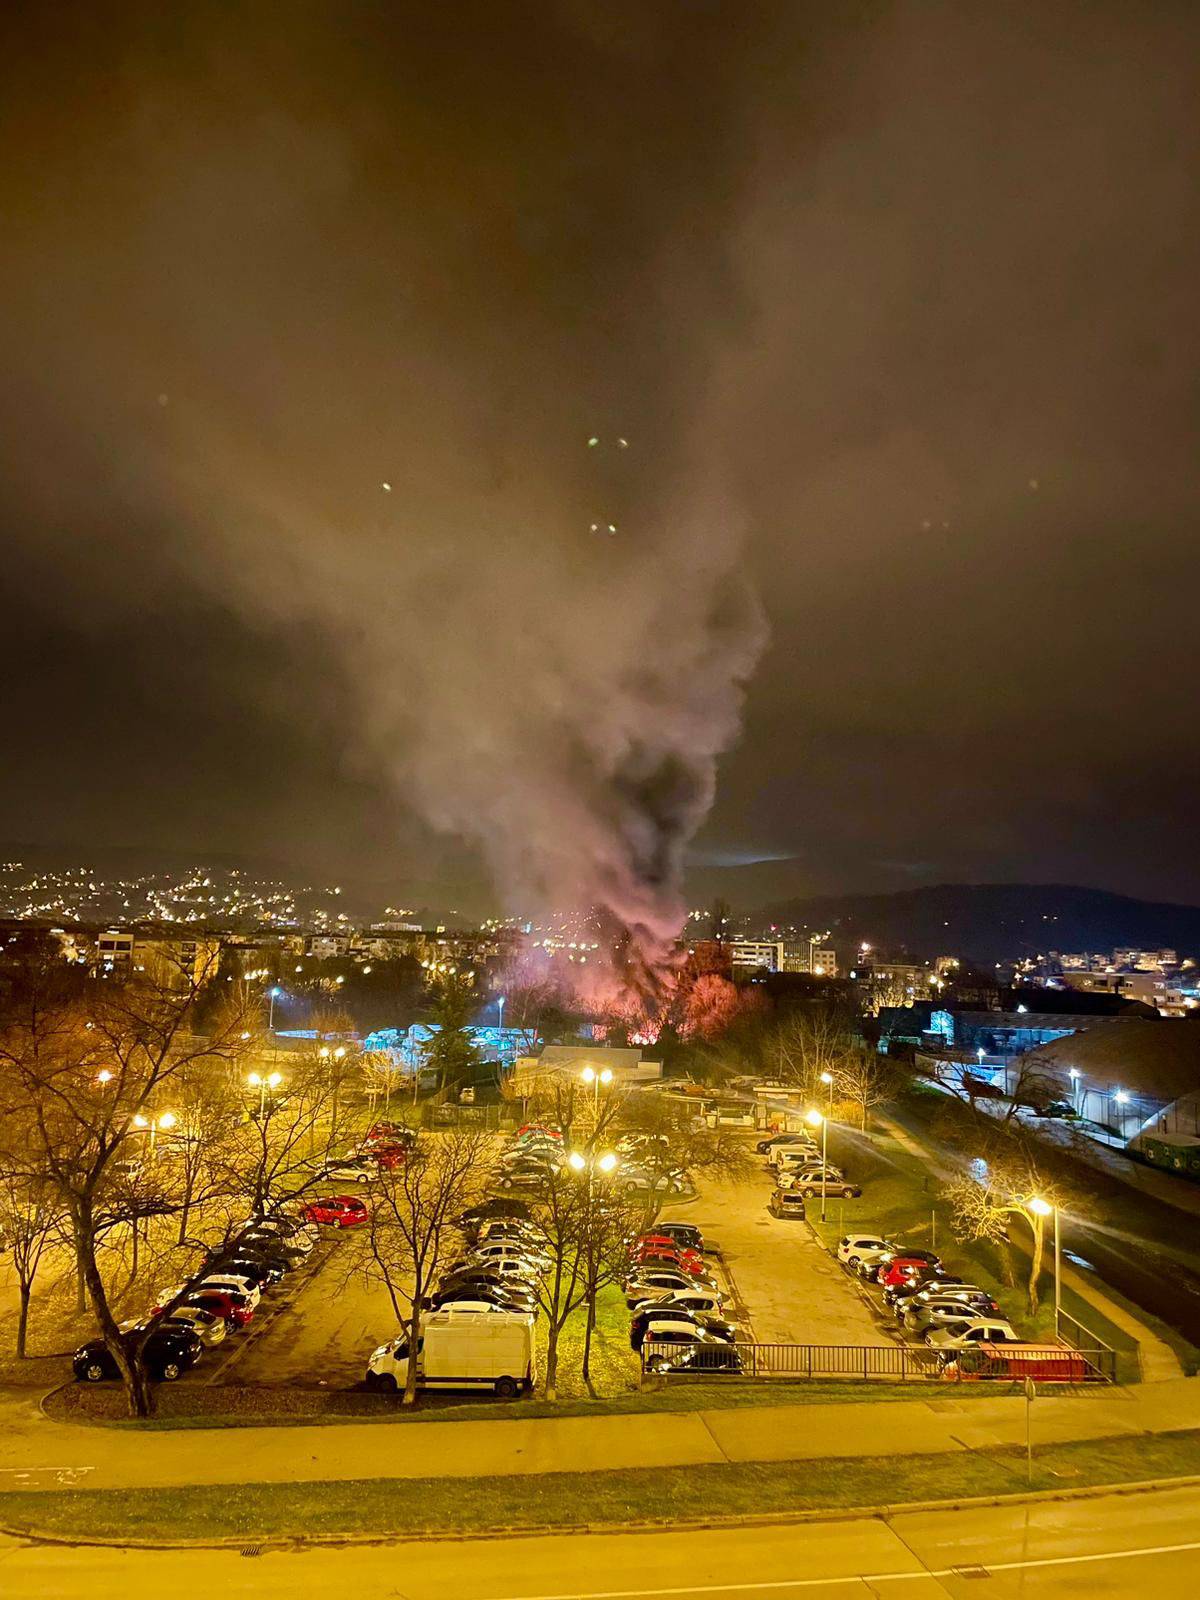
(921, 1575)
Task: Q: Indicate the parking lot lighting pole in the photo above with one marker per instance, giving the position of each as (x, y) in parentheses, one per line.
(1043, 1208)
(815, 1120)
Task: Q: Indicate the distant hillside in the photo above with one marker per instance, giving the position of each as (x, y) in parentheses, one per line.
(989, 922)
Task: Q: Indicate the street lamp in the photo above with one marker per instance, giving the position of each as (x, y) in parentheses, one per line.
(816, 1120)
(273, 993)
(500, 999)
(1076, 1093)
(827, 1078)
(262, 1082)
(597, 1079)
(104, 1076)
(1042, 1208)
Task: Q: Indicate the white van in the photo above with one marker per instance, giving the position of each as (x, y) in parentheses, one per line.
(805, 1148)
(462, 1350)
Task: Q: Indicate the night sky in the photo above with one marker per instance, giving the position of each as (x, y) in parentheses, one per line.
(309, 312)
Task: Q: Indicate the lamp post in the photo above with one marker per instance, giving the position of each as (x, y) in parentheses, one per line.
(151, 1125)
(1043, 1208)
(500, 999)
(816, 1120)
(827, 1078)
(1122, 1099)
(596, 1079)
(262, 1081)
(1076, 1093)
(273, 993)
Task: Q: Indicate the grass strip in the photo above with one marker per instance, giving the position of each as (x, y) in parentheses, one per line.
(388, 1507)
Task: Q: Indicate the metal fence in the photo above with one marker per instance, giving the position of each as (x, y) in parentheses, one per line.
(1102, 1356)
(890, 1363)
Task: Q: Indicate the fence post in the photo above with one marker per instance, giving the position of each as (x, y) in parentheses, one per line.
(866, 1361)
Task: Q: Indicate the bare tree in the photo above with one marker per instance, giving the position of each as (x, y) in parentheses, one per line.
(866, 1079)
(412, 1234)
(30, 1213)
(85, 1071)
(1005, 1183)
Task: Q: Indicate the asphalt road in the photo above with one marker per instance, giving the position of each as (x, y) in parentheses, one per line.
(1146, 1544)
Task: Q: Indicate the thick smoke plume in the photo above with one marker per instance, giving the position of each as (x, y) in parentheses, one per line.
(402, 348)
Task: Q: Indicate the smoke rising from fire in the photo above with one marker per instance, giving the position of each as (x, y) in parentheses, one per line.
(325, 317)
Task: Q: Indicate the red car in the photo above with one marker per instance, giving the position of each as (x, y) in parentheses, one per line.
(662, 1241)
(229, 1307)
(901, 1269)
(667, 1256)
(337, 1211)
(388, 1155)
(527, 1128)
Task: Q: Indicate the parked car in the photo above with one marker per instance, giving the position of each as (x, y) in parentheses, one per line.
(302, 1235)
(634, 1181)
(274, 1248)
(940, 1313)
(777, 1141)
(516, 1294)
(870, 1267)
(348, 1169)
(497, 1206)
(257, 1270)
(336, 1211)
(168, 1354)
(976, 1330)
(647, 1323)
(682, 1233)
(948, 1291)
(787, 1203)
(641, 1286)
(236, 1308)
(854, 1246)
(811, 1183)
(894, 1293)
(216, 1279)
(531, 1179)
(208, 1327)
(501, 1249)
(797, 1144)
(509, 1269)
(903, 1268)
(708, 1358)
(666, 1256)
(707, 1301)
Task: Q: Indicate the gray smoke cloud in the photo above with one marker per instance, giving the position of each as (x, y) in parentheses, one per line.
(351, 306)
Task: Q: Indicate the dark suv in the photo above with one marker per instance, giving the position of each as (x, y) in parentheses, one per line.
(168, 1354)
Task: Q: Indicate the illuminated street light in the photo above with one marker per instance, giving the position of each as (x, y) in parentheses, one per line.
(104, 1076)
(1042, 1209)
(816, 1120)
(273, 993)
(576, 1161)
(262, 1082)
(607, 1162)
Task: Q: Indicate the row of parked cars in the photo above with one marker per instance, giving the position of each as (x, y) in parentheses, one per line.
(536, 1153)
(930, 1302)
(794, 1162)
(258, 1253)
(675, 1302)
(221, 1299)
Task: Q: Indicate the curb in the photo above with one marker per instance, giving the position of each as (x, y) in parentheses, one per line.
(880, 1513)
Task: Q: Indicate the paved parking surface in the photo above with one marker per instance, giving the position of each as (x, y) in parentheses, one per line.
(794, 1292)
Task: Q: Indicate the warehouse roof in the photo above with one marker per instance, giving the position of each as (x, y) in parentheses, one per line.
(1159, 1059)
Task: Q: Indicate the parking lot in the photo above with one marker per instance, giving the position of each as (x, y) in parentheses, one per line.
(790, 1290)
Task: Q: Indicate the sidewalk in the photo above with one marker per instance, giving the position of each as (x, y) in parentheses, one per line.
(36, 1453)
